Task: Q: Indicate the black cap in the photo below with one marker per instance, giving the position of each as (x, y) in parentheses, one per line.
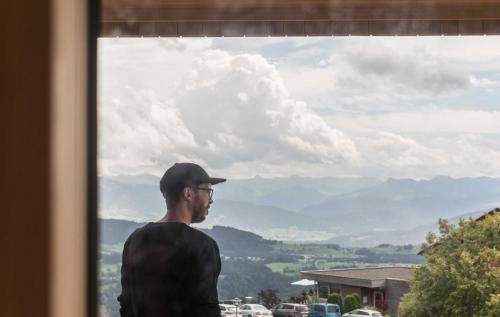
(182, 175)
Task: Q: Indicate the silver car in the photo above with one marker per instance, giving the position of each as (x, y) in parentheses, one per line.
(363, 313)
(290, 310)
(254, 310)
(229, 311)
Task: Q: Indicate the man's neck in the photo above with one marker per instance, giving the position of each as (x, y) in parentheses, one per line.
(177, 215)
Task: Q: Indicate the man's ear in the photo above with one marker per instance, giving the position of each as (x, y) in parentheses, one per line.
(187, 193)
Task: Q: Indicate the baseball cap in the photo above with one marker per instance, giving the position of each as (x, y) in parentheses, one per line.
(182, 175)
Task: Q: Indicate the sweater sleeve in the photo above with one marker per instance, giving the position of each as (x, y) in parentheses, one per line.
(204, 280)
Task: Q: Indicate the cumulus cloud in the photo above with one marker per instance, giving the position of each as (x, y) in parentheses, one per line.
(385, 74)
(375, 108)
(239, 110)
(225, 109)
(466, 155)
(139, 127)
(416, 71)
(388, 154)
(372, 76)
(138, 132)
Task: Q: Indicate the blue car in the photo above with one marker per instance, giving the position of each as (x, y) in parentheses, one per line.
(324, 310)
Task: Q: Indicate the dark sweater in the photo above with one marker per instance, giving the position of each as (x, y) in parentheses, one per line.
(169, 270)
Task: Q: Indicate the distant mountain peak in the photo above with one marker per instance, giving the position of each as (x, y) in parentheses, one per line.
(136, 179)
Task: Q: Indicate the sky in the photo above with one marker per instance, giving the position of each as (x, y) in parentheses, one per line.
(401, 107)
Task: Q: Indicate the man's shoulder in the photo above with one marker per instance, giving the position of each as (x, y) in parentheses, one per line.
(176, 233)
(150, 230)
(202, 236)
(139, 231)
(174, 229)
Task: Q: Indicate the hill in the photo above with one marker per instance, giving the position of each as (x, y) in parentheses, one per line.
(231, 241)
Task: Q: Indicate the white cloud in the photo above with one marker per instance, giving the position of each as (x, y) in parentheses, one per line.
(416, 72)
(483, 82)
(389, 154)
(425, 121)
(476, 156)
(238, 109)
(391, 73)
(467, 155)
(373, 107)
(370, 75)
(219, 110)
(138, 132)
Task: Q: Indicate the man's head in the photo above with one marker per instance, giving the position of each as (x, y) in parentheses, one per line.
(189, 183)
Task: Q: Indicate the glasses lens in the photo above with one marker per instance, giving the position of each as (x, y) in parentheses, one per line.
(209, 190)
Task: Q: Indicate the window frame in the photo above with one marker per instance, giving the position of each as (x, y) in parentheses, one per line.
(95, 28)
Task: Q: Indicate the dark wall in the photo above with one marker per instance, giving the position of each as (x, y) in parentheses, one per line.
(395, 289)
(24, 157)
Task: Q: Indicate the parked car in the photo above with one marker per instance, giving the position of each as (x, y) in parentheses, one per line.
(227, 310)
(324, 310)
(363, 313)
(254, 310)
(234, 302)
(290, 310)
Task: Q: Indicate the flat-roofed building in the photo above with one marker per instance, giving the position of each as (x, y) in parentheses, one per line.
(381, 287)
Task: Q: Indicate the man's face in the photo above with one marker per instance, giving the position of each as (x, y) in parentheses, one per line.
(201, 203)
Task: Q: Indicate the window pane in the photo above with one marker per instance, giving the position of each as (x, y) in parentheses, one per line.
(319, 308)
(340, 153)
(333, 309)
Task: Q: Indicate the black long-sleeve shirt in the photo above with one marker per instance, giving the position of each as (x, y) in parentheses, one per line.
(169, 270)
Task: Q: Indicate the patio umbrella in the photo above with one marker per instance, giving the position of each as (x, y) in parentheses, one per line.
(306, 282)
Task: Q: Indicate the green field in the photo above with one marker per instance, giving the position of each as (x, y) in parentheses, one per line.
(325, 257)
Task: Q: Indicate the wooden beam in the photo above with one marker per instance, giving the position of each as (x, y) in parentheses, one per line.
(68, 146)
(299, 18)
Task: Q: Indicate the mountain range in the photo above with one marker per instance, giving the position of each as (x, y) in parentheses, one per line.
(349, 211)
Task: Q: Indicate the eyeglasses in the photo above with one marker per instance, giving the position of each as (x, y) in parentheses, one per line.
(210, 191)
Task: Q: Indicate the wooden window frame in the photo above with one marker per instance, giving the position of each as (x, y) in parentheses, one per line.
(49, 124)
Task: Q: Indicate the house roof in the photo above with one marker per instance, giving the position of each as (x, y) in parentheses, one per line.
(372, 273)
(491, 212)
(372, 277)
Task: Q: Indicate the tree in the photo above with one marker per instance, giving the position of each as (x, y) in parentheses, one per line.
(462, 274)
(268, 297)
(357, 297)
(298, 298)
(351, 302)
(335, 298)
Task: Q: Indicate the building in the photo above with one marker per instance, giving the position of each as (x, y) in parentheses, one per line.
(491, 212)
(381, 287)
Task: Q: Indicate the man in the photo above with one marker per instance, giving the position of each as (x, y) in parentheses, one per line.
(168, 268)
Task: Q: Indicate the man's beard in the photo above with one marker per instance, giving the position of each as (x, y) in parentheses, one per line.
(199, 212)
